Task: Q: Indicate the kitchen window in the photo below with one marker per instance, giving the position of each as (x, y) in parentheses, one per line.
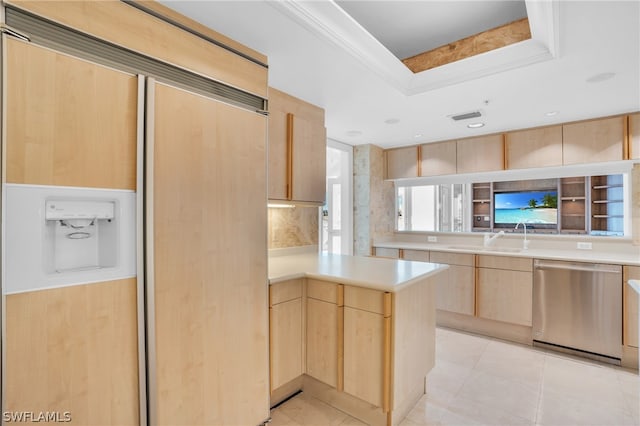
(442, 208)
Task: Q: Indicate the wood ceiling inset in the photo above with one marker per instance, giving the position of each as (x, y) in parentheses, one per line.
(486, 41)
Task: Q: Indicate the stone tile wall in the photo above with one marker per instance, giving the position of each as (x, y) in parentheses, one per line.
(373, 199)
(293, 227)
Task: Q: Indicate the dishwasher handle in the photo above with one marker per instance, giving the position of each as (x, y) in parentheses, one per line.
(583, 267)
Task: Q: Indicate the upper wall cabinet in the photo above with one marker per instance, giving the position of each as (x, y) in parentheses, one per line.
(57, 131)
(297, 149)
(534, 148)
(481, 154)
(593, 141)
(634, 136)
(402, 162)
(438, 159)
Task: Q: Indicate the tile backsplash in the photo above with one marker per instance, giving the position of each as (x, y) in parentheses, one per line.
(293, 227)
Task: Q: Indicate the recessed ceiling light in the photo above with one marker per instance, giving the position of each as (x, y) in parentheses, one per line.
(597, 78)
(475, 125)
(418, 135)
(551, 113)
(392, 121)
(354, 133)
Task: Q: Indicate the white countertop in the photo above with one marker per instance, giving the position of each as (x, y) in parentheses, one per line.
(630, 258)
(376, 273)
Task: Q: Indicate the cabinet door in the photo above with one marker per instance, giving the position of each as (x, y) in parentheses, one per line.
(309, 160)
(322, 341)
(456, 290)
(69, 122)
(438, 159)
(534, 148)
(630, 323)
(505, 295)
(363, 354)
(402, 162)
(593, 141)
(634, 136)
(209, 261)
(387, 252)
(417, 255)
(278, 154)
(482, 154)
(286, 342)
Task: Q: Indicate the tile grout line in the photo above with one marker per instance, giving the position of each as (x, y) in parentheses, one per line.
(540, 391)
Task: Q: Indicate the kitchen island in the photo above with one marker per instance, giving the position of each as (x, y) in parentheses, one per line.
(355, 332)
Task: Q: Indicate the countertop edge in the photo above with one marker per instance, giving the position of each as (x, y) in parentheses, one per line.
(531, 253)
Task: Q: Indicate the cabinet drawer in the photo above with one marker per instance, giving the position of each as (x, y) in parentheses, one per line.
(387, 252)
(505, 262)
(285, 291)
(417, 255)
(322, 290)
(461, 259)
(364, 299)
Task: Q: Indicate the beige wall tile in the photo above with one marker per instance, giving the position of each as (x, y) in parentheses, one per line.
(293, 227)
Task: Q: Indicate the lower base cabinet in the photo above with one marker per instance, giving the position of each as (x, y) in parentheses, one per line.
(322, 331)
(505, 289)
(366, 352)
(630, 307)
(456, 289)
(285, 332)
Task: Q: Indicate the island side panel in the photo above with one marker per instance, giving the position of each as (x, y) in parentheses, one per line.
(414, 340)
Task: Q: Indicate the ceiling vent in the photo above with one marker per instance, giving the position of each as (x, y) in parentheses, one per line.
(466, 116)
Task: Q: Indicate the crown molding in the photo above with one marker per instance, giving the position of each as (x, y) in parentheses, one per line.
(328, 21)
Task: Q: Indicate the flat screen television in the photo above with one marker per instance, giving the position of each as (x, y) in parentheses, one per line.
(538, 209)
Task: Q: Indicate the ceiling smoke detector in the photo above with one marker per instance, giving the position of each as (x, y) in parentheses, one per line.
(466, 116)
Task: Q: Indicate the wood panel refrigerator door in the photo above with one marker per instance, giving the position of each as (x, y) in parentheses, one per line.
(208, 259)
(70, 347)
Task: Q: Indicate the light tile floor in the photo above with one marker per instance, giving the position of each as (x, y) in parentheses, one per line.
(483, 381)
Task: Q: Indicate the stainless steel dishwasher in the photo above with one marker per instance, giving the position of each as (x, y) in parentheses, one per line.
(578, 307)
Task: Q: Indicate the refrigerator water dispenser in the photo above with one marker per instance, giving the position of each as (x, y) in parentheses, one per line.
(80, 235)
(61, 236)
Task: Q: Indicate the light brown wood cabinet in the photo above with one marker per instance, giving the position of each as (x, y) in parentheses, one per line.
(630, 307)
(322, 331)
(438, 159)
(593, 141)
(505, 289)
(456, 285)
(541, 147)
(634, 136)
(417, 255)
(367, 351)
(297, 150)
(286, 332)
(387, 252)
(481, 154)
(401, 162)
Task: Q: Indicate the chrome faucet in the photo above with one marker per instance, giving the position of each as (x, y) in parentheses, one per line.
(525, 243)
(488, 240)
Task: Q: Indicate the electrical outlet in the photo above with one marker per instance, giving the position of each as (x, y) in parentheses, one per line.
(432, 239)
(584, 246)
